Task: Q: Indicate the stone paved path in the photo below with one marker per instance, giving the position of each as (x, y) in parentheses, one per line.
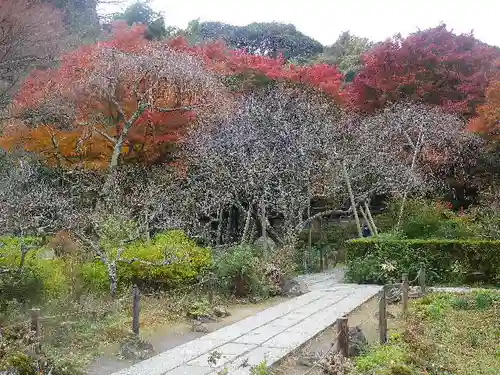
(269, 335)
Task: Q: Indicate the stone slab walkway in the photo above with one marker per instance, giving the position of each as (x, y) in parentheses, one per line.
(269, 335)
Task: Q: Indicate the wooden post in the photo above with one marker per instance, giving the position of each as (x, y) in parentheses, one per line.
(210, 291)
(36, 328)
(382, 317)
(321, 259)
(421, 278)
(136, 308)
(405, 286)
(343, 336)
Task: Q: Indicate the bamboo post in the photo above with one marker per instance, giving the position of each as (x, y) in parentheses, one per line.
(382, 317)
(36, 328)
(343, 336)
(136, 308)
(405, 286)
(421, 278)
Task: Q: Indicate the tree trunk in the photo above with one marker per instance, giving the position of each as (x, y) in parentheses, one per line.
(365, 217)
(117, 151)
(247, 224)
(309, 238)
(218, 240)
(263, 223)
(147, 234)
(370, 219)
(413, 162)
(113, 278)
(351, 196)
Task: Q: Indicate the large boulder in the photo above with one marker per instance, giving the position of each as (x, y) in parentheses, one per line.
(293, 287)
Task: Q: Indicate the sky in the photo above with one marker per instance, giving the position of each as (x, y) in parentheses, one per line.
(324, 20)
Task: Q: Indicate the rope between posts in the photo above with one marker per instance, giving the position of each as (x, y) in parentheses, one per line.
(17, 324)
(372, 314)
(323, 356)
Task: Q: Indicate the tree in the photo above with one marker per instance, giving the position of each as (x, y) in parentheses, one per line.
(432, 145)
(26, 43)
(246, 71)
(286, 146)
(434, 66)
(126, 100)
(80, 16)
(346, 53)
(140, 12)
(488, 120)
(267, 38)
(33, 202)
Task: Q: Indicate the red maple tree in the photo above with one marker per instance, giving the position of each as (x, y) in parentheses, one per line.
(435, 66)
(122, 100)
(488, 120)
(254, 68)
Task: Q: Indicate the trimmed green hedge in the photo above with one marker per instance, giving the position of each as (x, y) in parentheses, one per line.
(379, 261)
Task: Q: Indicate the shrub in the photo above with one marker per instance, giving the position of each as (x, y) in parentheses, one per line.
(185, 260)
(331, 239)
(23, 286)
(373, 260)
(424, 219)
(239, 272)
(55, 274)
(95, 276)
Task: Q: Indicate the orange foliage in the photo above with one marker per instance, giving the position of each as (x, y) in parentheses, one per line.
(488, 120)
(86, 114)
(75, 117)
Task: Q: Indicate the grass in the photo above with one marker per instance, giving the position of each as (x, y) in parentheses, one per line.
(443, 334)
(78, 331)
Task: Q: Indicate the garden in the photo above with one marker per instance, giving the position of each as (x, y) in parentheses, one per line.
(204, 174)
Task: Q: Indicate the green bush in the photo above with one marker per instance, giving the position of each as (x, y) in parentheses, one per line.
(331, 239)
(373, 260)
(95, 276)
(424, 219)
(185, 259)
(55, 274)
(23, 286)
(240, 272)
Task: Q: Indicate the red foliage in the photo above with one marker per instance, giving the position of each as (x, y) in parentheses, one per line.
(434, 66)
(78, 105)
(225, 61)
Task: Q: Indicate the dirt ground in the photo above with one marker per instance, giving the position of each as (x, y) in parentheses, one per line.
(171, 335)
(365, 316)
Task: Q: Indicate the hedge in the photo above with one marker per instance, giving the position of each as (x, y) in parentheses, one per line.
(373, 260)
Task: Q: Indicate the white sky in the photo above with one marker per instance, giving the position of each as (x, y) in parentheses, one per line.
(324, 20)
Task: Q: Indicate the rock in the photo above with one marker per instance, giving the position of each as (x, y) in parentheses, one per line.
(308, 359)
(255, 299)
(261, 242)
(221, 311)
(357, 341)
(48, 254)
(394, 295)
(415, 292)
(136, 349)
(207, 319)
(198, 326)
(293, 288)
